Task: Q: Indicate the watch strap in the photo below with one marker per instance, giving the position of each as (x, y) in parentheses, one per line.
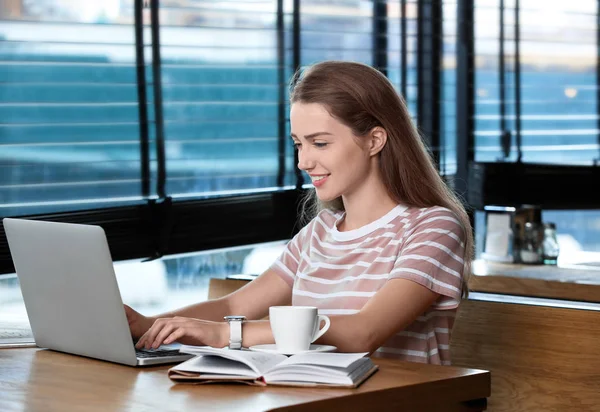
(235, 334)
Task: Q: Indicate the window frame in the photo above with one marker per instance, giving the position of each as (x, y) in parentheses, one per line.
(159, 225)
(552, 186)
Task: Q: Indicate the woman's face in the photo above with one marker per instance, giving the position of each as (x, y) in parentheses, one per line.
(328, 151)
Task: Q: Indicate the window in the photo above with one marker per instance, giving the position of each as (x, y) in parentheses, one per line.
(220, 88)
(536, 98)
(69, 134)
(163, 120)
(448, 159)
(555, 112)
(578, 233)
(336, 30)
(402, 50)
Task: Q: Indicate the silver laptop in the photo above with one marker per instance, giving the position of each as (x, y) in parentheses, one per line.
(71, 293)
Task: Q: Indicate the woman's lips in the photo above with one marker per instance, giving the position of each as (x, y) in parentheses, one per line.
(319, 180)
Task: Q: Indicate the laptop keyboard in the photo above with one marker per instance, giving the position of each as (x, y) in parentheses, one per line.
(145, 354)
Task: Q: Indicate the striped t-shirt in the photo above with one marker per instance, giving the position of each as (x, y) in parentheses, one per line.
(338, 272)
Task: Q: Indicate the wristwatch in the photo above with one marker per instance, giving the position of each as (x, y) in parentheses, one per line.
(235, 331)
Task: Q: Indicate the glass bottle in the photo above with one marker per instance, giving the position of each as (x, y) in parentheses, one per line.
(550, 244)
(531, 245)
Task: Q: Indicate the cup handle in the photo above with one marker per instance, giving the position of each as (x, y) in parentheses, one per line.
(320, 332)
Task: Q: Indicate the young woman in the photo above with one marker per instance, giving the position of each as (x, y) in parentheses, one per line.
(387, 255)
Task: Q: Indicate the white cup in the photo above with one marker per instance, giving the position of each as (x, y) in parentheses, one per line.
(296, 327)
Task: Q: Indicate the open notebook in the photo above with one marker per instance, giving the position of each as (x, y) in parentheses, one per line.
(214, 365)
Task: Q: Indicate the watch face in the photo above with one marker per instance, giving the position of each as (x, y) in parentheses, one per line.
(230, 318)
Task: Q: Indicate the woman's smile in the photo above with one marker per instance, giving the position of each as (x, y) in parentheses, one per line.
(318, 180)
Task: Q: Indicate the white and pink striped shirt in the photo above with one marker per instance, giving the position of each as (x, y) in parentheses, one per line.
(338, 272)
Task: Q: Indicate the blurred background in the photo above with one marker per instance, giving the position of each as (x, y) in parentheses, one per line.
(166, 122)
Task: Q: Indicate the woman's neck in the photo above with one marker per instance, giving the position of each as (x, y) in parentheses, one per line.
(366, 204)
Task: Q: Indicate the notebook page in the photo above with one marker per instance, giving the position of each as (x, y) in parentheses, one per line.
(208, 364)
(339, 360)
(321, 374)
(259, 362)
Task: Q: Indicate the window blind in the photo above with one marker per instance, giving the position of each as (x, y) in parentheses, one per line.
(163, 120)
(221, 84)
(69, 130)
(449, 135)
(536, 82)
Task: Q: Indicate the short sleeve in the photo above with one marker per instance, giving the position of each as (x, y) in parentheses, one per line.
(287, 263)
(432, 255)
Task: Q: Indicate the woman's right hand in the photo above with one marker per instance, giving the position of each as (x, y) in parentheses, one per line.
(138, 323)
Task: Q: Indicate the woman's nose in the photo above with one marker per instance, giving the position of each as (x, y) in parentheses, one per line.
(304, 161)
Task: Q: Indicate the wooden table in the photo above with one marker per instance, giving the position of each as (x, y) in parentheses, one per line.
(43, 380)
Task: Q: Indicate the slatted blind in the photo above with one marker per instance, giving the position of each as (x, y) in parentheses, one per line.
(448, 141)
(68, 107)
(220, 86)
(536, 75)
(70, 103)
(550, 58)
(402, 50)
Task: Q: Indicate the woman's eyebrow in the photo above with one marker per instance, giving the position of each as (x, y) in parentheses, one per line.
(313, 135)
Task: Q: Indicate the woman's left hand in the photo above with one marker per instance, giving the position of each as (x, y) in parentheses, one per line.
(185, 330)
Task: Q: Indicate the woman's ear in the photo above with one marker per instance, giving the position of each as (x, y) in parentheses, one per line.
(377, 140)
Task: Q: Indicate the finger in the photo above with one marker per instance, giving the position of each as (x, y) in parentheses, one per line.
(141, 341)
(164, 332)
(153, 331)
(175, 335)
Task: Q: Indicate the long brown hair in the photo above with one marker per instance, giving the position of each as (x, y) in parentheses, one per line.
(362, 98)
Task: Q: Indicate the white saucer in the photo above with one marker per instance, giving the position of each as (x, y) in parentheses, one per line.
(272, 348)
